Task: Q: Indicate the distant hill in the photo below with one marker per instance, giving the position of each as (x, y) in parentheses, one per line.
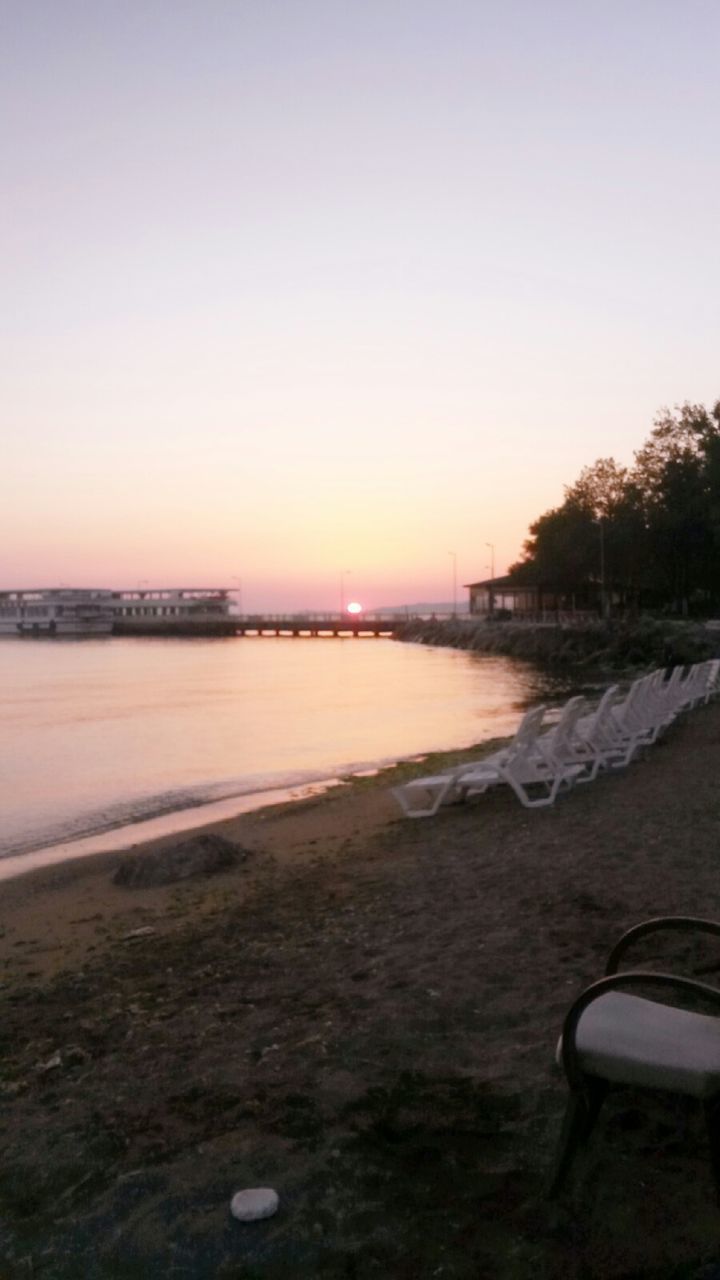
(399, 610)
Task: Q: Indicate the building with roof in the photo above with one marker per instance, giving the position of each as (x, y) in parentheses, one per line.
(525, 600)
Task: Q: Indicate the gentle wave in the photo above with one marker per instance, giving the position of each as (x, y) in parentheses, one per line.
(130, 813)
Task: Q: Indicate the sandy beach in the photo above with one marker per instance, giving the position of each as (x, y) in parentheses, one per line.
(363, 1015)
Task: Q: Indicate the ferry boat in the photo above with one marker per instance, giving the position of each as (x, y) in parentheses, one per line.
(170, 604)
(75, 611)
(56, 611)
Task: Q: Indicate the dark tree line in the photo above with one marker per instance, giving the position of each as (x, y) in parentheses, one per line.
(652, 529)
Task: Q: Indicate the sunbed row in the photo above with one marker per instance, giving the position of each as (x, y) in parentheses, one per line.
(537, 765)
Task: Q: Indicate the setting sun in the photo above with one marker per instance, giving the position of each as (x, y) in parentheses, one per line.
(354, 607)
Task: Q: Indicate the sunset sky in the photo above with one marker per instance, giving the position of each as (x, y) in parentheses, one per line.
(296, 290)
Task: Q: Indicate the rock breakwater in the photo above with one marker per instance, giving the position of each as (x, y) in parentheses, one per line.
(602, 645)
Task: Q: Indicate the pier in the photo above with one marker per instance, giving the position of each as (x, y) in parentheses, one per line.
(314, 625)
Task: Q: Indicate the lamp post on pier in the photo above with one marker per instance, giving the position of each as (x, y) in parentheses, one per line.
(491, 593)
(343, 575)
(454, 560)
(600, 522)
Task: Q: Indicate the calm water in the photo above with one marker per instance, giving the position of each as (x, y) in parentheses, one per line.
(100, 733)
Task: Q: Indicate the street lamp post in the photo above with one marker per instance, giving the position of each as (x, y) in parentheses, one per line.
(491, 593)
(603, 592)
(600, 522)
(343, 575)
(454, 560)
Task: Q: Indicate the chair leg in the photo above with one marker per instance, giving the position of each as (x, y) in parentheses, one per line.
(433, 796)
(522, 791)
(712, 1122)
(583, 1108)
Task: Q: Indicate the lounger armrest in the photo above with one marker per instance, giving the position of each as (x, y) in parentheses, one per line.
(651, 926)
(631, 978)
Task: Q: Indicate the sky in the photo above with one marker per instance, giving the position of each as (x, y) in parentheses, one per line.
(325, 299)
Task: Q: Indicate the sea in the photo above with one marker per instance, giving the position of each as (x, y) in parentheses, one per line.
(108, 741)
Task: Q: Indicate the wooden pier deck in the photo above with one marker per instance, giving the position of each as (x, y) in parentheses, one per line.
(315, 625)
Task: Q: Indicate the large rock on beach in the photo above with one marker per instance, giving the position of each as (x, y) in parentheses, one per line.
(202, 855)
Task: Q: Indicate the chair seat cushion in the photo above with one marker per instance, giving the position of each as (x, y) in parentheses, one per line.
(631, 1040)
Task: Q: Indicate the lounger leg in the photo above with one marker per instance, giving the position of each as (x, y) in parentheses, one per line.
(583, 1108)
(592, 767)
(434, 795)
(543, 801)
(523, 794)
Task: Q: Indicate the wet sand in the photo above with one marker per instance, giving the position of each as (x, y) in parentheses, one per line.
(362, 1015)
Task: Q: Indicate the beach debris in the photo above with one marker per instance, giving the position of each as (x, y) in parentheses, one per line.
(52, 1063)
(143, 932)
(202, 855)
(75, 1056)
(71, 1056)
(254, 1203)
(264, 1053)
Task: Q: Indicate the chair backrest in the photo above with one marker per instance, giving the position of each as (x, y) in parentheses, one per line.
(563, 738)
(596, 727)
(528, 730)
(697, 684)
(711, 673)
(640, 707)
(569, 716)
(670, 689)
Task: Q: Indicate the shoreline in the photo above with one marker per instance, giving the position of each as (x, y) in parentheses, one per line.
(196, 817)
(362, 1014)
(91, 790)
(147, 831)
(286, 831)
(49, 911)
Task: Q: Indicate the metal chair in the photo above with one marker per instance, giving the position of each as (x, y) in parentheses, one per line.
(611, 1036)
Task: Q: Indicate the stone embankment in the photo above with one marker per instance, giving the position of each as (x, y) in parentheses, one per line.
(598, 644)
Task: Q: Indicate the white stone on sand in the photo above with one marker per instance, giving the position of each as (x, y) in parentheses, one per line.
(253, 1204)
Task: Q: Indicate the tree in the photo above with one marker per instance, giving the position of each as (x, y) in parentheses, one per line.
(596, 534)
(609, 493)
(652, 530)
(601, 488)
(677, 474)
(561, 554)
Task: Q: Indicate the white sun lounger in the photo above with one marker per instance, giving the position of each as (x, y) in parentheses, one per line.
(528, 765)
(567, 745)
(534, 776)
(422, 797)
(575, 748)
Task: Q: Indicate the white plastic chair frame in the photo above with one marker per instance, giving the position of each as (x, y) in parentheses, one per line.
(587, 1091)
(644, 712)
(534, 777)
(615, 745)
(566, 745)
(422, 797)
(573, 750)
(527, 765)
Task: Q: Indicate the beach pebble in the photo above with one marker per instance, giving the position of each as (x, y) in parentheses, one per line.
(253, 1204)
(51, 1064)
